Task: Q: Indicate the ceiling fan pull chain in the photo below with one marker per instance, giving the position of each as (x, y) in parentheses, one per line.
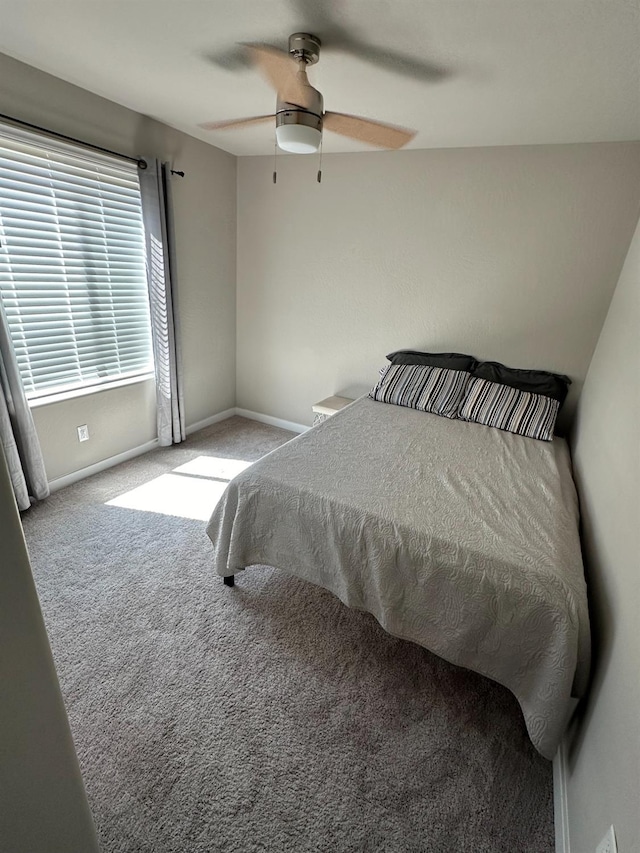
(320, 164)
(275, 152)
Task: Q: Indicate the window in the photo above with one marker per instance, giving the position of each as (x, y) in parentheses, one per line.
(72, 265)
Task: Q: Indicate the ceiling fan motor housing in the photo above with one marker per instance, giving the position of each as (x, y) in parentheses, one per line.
(305, 46)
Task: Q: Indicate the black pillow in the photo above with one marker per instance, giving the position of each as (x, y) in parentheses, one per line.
(449, 360)
(554, 385)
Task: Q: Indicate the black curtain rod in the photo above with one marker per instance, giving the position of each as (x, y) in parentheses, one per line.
(142, 164)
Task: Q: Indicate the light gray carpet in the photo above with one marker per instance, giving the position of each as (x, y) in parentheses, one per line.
(268, 717)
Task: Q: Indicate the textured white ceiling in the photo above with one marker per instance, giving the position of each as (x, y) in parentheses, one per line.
(522, 71)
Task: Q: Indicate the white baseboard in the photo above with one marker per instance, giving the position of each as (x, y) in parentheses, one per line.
(560, 808)
(214, 419)
(97, 467)
(75, 476)
(267, 419)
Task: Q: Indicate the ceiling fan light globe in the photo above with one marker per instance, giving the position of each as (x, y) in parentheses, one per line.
(298, 138)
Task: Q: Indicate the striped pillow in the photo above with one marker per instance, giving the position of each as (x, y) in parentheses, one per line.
(429, 389)
(504, 407)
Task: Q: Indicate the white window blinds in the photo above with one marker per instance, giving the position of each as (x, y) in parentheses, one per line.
(72, 265)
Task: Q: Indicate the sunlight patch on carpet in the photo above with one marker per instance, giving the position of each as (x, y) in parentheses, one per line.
(174, 494)
(217, 467)
(191, 490)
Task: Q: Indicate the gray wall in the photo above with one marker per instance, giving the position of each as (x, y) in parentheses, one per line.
(508, 253)
(205, 220)
(43, 803)
(604, 753)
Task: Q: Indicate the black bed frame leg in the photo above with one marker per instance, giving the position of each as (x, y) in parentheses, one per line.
(229, 580)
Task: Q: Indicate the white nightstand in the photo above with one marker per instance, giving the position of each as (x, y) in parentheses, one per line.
(325, 408)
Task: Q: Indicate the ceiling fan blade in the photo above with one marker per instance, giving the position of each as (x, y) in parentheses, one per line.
(234, 122)
(418, 69)
(365, 130)
(282, 73)
(234, 58)
(327, 20)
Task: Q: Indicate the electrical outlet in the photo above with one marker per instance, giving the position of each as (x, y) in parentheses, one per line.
(608, 843)
(83, 433)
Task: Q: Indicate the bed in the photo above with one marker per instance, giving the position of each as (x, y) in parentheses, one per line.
(457, 536)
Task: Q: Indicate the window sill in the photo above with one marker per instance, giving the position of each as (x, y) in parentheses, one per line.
(36, 402)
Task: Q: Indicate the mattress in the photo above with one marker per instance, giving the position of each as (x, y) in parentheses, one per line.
(459, 537)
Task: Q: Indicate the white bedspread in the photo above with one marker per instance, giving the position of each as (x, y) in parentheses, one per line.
(460, 537)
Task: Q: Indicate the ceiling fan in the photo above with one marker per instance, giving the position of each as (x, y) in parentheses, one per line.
(300, 116)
